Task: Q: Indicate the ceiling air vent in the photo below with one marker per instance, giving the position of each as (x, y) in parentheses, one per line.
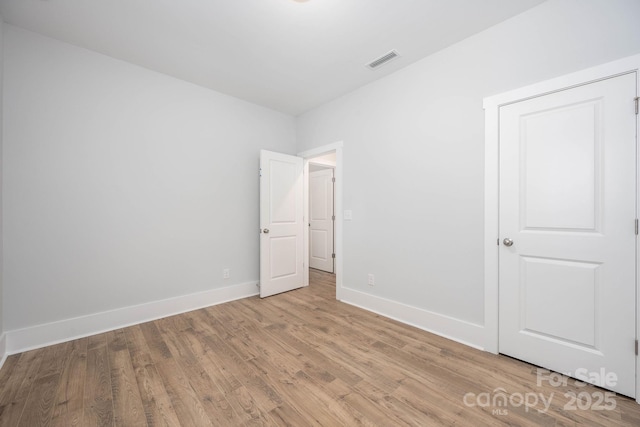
(383, 59)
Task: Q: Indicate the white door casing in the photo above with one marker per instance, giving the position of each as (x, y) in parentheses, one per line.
(281, 223)
(567, 288)
(321, 219)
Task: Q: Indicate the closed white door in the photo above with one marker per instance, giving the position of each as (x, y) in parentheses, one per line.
(567, 231)
(321, 220)
(281, 223)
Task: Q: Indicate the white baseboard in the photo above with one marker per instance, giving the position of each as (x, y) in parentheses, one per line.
(19, 340)
(38, 336)
(3, 349)
(458, 330)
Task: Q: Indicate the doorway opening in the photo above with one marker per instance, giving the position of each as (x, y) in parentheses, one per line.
(322, 213)
(321, 220)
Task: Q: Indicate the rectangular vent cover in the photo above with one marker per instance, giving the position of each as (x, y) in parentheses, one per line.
(383, 59)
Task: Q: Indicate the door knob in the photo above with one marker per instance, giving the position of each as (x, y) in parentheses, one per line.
(265, 231)
(507, 242)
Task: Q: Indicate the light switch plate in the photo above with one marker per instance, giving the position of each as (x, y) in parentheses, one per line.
(348, 215)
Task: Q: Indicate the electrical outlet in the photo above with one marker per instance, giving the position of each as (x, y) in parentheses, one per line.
(372, 279)
(226, 273)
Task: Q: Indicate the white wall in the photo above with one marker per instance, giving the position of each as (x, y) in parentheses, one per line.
(413, 153)
(121, 185)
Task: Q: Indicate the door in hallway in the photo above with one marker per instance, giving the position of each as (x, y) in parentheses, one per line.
(321, 220)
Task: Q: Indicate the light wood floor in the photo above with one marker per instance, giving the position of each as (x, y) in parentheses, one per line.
(297, 359)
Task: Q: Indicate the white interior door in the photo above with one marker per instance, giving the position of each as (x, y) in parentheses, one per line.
(568, 208)
(281, 223)
(321, 220)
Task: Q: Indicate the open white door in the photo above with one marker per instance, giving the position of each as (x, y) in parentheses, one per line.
(281, 223)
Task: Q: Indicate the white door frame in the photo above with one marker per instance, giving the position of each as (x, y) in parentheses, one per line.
(307, 155)
(492, 181)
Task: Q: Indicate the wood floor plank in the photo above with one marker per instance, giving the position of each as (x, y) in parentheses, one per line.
(204, 342)
(7, 369)
(41, 398)
(69, 405)
(98, 405)
(127, 403)
(301, 358)
(310, 352)
(225, 377)
(54, 359)
(322, 407)
(211, 398)
(16, 389)
(255, 396)
(96, 341)
(40, 402)
(157, 347)
(183, 398)
(157, 404)
(388, 403)
(284, 360)
(285, 415)
(361, 362)
(278, 367)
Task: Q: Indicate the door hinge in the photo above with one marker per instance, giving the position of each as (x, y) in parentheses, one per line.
(334, 180)
(637, 100)
(636, 347)
(333, 255)
(636, 226)
(333, 218)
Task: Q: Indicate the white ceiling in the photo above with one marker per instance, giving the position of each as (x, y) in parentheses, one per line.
(286, 55)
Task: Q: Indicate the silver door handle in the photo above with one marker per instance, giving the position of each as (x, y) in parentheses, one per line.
(265, 231)
(507, 242)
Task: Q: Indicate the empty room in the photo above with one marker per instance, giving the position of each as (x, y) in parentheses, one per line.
(319, 212)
